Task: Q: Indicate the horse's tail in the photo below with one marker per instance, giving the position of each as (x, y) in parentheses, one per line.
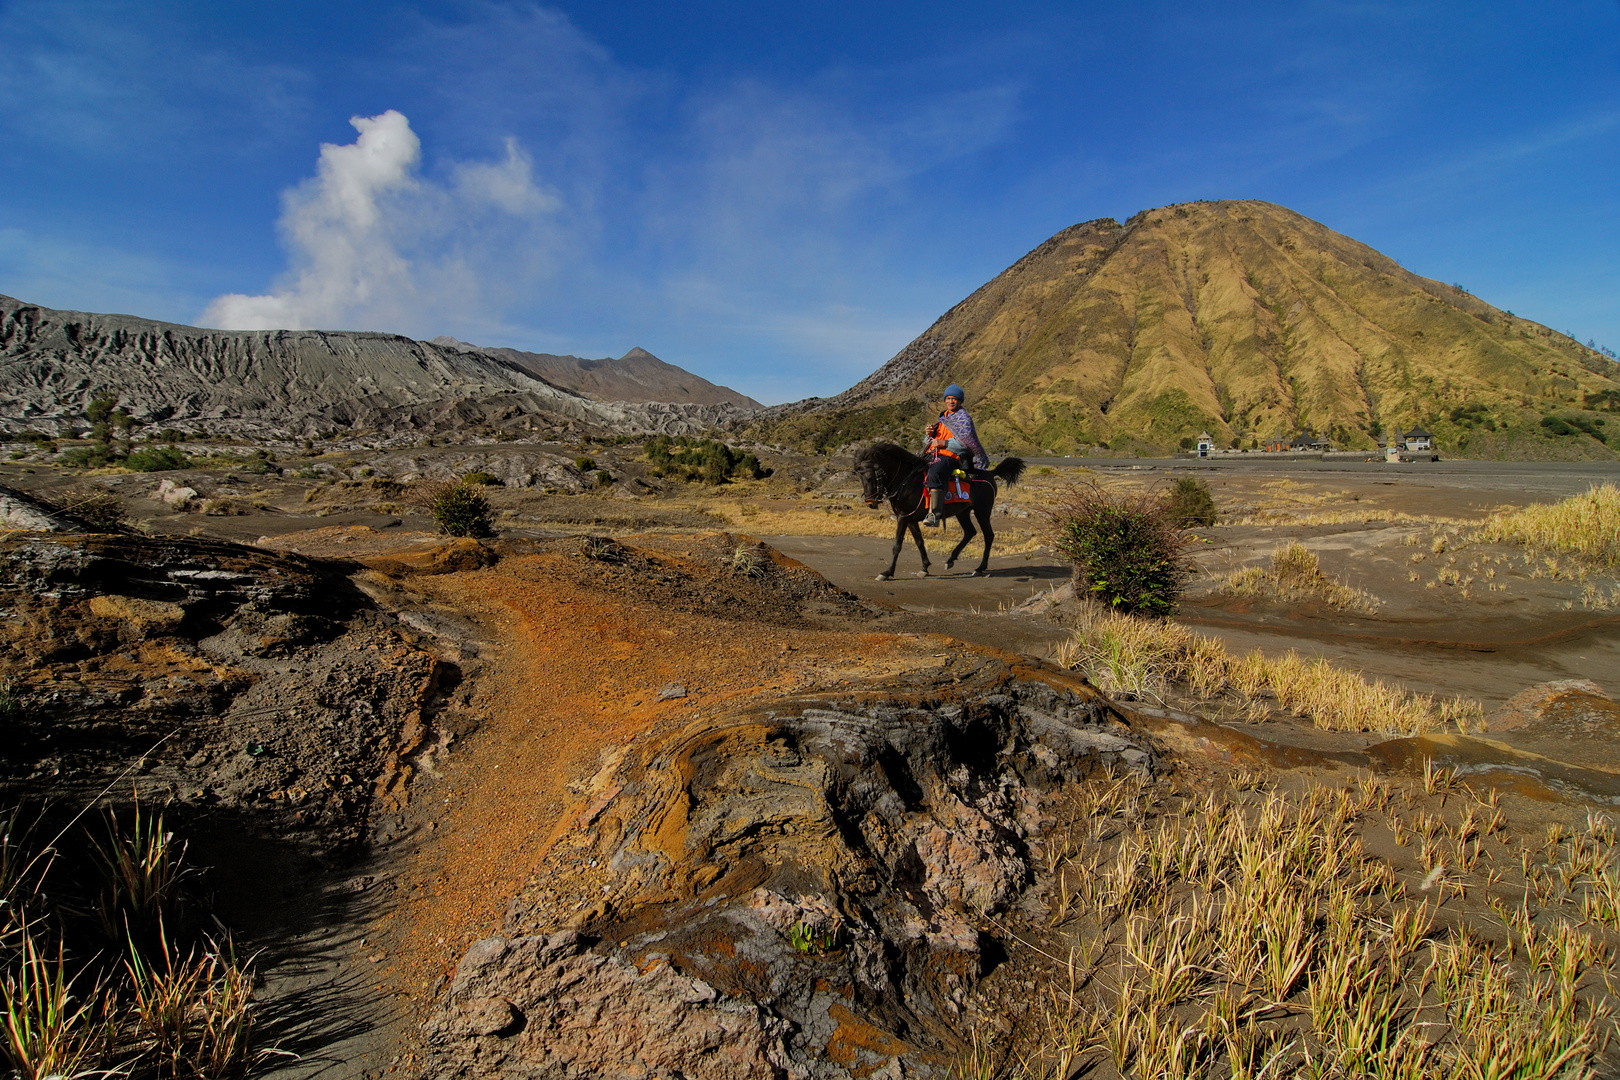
(1009, 470)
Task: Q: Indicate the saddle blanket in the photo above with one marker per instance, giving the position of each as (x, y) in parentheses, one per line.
(958, 490)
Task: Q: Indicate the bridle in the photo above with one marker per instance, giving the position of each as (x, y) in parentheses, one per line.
(886, 493)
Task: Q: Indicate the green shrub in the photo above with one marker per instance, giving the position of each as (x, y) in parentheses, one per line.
(460, 509)
(1128, 552)
(157, 459)
(1575, 425)
(706, 460)
(1189, 503)
(603, 478)
(94, 456)
(483, 479)
(262, 461)
(584, 464)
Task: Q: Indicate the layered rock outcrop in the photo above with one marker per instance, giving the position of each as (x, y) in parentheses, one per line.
(798, 894)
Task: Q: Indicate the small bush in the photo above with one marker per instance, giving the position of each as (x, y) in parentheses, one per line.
(1128, 552)
(261, 462)
(603, 478)
(483, 479)
(460, 510)
(1189, 503)
(95, 456)
(584, 464)
(157, 459)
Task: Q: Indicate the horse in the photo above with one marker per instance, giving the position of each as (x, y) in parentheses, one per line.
(891, 472)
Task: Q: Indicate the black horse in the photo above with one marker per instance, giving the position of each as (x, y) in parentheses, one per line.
(887, 471)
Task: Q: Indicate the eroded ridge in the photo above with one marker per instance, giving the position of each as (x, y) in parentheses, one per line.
(792, 894)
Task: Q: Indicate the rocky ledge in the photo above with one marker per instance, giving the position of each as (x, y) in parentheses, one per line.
(809, 892)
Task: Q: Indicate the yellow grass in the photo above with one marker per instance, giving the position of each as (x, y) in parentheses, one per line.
(1222, 935)
(1120, 653)
(1296, 574)
(1367, 516)
(1587, 525)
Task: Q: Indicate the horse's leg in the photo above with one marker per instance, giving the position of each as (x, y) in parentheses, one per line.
(968, 533)
(989, 537)
(894, 556)
(922, 548)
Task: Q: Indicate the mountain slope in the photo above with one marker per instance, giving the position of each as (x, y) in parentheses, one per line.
(52, 363)
(638, 375)
(1239, 317)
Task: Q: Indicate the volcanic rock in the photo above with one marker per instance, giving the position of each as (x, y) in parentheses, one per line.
(803, 893)
(54, 363)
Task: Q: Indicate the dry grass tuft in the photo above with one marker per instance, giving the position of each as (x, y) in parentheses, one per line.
(166, 1011)
(1296, 574)
(1229, 935)
(1586, 525)
(1278, 516)
(1123, 654)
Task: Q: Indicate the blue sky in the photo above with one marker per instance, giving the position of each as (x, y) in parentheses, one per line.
(777, 197)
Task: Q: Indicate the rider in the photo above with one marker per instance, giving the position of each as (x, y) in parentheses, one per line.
(953, 444)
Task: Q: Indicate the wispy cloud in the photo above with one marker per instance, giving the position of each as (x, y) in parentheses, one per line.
(90, 78)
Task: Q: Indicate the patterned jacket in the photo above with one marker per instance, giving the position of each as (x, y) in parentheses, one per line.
(961, 426)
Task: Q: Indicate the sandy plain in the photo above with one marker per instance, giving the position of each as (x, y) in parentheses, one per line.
(573, 661)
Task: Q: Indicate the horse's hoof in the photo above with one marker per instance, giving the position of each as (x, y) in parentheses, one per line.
(950, 564)
(885, 577)
(922, 573)
(981, 572)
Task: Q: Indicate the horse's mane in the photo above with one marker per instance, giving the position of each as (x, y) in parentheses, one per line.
(891, 450)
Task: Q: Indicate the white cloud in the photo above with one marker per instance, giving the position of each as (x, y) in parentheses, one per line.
(507, 185)
(375, 246)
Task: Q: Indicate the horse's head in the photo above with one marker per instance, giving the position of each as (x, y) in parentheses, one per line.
(874, 478)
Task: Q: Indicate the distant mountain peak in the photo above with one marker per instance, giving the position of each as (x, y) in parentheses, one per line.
(1237, 317)
(637, 376)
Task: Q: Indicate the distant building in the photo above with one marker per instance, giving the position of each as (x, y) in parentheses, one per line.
(1418, 441)
(1205, 444)
(1306, 441)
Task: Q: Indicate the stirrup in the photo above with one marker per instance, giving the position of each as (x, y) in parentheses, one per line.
(932, 519)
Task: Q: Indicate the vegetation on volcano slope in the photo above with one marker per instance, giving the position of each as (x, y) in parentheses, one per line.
(706, 460)
(1241, 318)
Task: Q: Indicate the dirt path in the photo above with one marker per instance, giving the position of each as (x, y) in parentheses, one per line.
(576, 676)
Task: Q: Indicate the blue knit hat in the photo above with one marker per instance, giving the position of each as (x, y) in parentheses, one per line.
(954, 391)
